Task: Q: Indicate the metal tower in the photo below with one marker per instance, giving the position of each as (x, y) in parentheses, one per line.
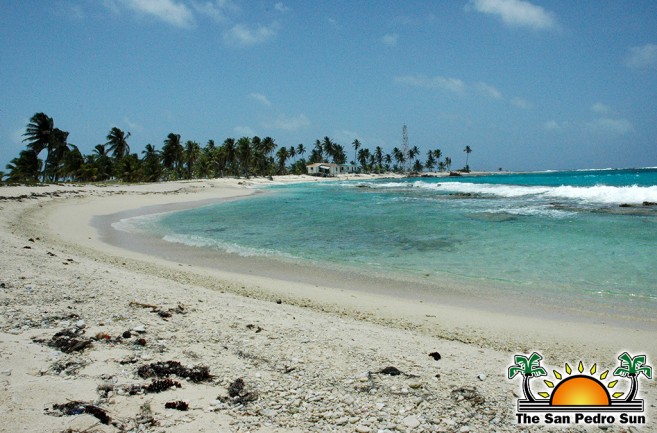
(405, 143)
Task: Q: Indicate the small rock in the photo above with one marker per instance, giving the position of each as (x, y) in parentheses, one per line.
(342, 421)
(363, 429)
(6, 372)
(481, 376)
(411, 421)
(139, 328)
(80, 324)
(415, 385)
(464, 429)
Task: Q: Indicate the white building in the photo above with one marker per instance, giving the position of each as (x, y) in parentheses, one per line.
(330, 169)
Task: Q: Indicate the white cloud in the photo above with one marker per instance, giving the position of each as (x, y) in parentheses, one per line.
(450, 84)
(554, 126)
(515, 13)
(260, 98)
(600, 108)
(290, 123)
(242, 36)
(132, 126)
(433, 83)
(607, 125)
(522, 103)
(169, 11)
(643, 57)
(390, 39)
(216, 10)
(281, 7)
(488, 90)
(244, 131)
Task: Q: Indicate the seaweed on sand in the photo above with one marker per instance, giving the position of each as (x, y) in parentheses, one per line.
(199, 373)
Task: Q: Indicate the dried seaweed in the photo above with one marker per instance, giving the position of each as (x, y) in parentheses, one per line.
(390, 371)
(199, 373)
(79, 407)
(68, 340)
(239, 393)
(178, 405)
(161, 385)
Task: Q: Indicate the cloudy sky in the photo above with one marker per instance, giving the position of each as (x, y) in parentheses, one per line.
(528, 85)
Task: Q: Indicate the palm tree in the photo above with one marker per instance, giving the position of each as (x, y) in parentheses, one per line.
(282, 155)
(448, 162)
(191, 155)
(244, 153)
(102, 163)
(172, 154)
(117, 142)
(528, 367)
(431, 162)
(38, 132)
(301, 150)
(24, 168)
(356, 145)
(363, 158)
(467, 151)
(398, 155)
(152, 169)
(41, 134)
(633, 367)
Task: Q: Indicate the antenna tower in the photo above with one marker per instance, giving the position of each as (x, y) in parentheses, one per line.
(405, 142)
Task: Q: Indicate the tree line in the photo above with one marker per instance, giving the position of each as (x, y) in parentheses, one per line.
(246, 156)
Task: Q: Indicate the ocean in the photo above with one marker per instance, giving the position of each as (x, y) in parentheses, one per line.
(563, 237)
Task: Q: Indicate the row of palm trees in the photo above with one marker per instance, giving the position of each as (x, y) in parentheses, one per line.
(246, 156)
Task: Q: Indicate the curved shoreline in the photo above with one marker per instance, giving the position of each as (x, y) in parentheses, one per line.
(457, 316)
(312, 354)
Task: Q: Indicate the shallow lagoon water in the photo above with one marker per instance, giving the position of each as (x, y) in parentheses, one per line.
(550, 235)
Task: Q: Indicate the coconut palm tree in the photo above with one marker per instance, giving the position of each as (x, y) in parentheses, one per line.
(191, 155)
(467, 151)
(152, 168)
(356, 145)
(633, 367)
(118, 144)
(172, 154)
(528, 367)
(301, 150)
(281, 156)
(38, 132)
(26, 167)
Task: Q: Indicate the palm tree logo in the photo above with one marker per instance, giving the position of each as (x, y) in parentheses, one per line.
(529, 367)
(633, 367)
(579, 389)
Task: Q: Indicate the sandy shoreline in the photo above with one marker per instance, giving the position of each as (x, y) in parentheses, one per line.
(330, 337)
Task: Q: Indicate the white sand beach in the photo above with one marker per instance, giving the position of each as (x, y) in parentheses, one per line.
(310, 355)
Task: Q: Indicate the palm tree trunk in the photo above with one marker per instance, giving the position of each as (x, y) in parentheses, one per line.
(633, 388)
(525, 388)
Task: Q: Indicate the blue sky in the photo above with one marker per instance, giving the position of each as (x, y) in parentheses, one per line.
(528, 85)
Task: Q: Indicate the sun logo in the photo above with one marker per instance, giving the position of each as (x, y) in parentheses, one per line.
(580, 389)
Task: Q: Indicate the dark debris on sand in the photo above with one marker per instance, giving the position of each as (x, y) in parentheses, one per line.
(238, 393)
(79, 407)
(178, 405)
(67, 341)
(197, 374)
(161, 385)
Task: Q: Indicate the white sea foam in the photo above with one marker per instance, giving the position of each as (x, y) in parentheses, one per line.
(138, 223)
(594, 194)
(231, 248)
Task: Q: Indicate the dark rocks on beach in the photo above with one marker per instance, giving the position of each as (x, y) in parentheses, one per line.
(649, 203)
(126, 334)
(454, 174)
(435, 355)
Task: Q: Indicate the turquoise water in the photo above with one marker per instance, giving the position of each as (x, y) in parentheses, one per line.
(554, 233)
